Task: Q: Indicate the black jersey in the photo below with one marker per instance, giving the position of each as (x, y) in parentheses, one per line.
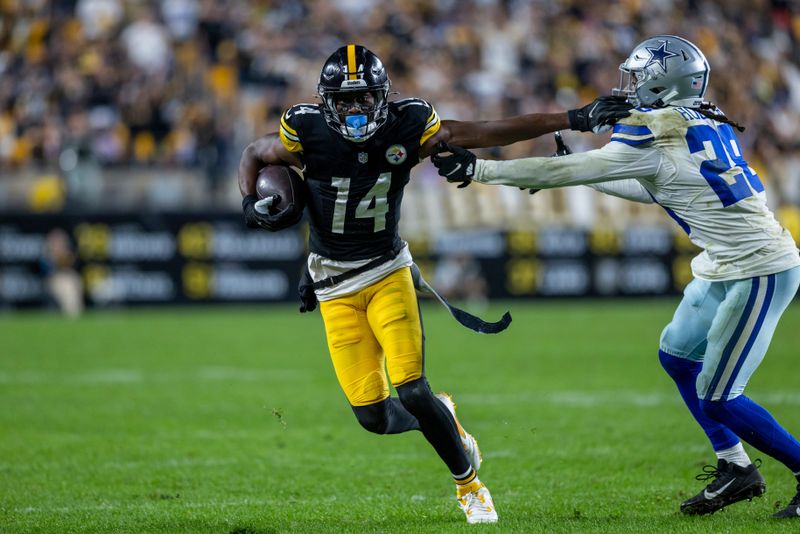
(355, 189)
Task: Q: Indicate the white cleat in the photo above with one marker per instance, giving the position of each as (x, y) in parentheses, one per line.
(467, 440)
(477, 503)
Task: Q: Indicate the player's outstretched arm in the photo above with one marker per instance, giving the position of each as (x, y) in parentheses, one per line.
(267, 150)
(601, 113)
(615, 161)
(630, 189)
(479, 134)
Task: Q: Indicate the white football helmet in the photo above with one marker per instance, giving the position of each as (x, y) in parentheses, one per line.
(664, 70)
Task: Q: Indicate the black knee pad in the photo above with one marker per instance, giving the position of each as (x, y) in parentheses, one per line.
(416, 395)
(372, 417)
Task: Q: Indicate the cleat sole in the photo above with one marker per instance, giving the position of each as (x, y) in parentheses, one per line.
(715, 505)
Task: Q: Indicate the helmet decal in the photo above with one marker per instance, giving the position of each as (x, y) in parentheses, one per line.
(660, 55)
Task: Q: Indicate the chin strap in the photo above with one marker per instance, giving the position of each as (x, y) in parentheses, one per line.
(476, 324)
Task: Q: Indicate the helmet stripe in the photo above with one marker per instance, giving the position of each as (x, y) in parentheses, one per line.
(351, 62)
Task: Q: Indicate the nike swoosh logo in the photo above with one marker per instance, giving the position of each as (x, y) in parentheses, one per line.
(591, 111)
(458, 166)
(714, 494)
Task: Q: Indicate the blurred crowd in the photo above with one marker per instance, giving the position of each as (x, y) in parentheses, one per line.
(90, 85)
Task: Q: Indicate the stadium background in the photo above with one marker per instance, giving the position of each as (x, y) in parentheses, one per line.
(122, 123)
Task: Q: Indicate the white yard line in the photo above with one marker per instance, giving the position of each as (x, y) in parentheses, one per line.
(156, 504)
(611, 398)
(132, 464)
(136, 376)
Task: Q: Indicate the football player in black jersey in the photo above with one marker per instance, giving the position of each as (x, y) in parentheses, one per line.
(356, 150)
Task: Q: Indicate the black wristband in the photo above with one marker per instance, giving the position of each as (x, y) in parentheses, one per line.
(249, 199)
(574, 119)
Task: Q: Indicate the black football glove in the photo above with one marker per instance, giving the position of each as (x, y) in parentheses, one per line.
(308, 298)
(599, 115)
(458, 166)
(285, 218)
(561, 147)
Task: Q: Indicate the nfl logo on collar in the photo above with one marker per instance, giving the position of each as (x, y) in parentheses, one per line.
(396, 154)
(363, 157)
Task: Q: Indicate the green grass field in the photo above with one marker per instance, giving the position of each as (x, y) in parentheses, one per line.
(231, 420)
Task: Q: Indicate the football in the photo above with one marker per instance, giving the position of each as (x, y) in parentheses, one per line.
(284, 182)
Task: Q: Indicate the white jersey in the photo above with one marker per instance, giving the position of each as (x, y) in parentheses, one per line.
(693, 167)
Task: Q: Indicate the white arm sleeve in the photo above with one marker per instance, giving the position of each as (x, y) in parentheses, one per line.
(615, 161)
(627, 189)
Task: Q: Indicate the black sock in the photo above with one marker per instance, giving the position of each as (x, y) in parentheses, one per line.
(465, 480)
(436, 423)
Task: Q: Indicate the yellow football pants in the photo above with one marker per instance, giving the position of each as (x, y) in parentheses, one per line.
(379, 325)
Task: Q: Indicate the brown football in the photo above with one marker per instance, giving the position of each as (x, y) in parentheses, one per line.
(283, 181)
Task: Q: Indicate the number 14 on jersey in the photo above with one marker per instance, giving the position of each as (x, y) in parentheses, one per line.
(372, 206)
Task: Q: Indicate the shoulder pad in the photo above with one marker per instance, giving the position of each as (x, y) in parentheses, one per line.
(633, 130)
(400, 105)
(421, 111)
(299, 111)
(640, 116)
(292, 125)
(649, 124)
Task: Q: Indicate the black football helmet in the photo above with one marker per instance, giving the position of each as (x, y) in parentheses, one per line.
(353, 86)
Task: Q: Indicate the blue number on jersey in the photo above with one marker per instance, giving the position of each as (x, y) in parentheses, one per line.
(727, 135)
(712, 169)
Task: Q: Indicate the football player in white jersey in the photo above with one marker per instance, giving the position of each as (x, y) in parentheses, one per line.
(682, 153)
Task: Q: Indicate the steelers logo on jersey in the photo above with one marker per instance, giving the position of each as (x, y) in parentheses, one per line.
(396, 154)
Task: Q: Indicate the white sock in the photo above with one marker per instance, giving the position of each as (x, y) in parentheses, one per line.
(735, 455)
